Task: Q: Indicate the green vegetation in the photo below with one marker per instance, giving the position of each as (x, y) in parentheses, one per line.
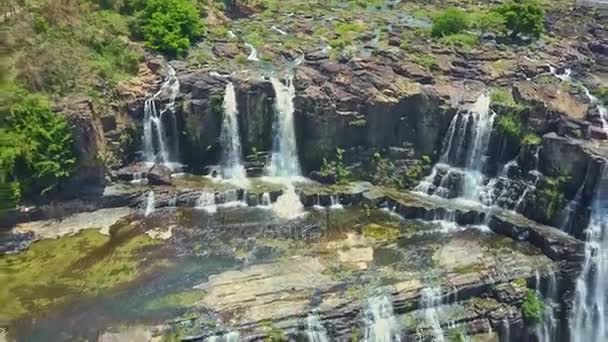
(52, 271)
(385, 172)
(336, 167)
(449, 21)
(37, 152)
(602, 94)
(551, 194)
(532, 308)
(531, 139)
(503, 97)
(511, 125)
(170, 26)
(464, 40)
(523, 17)
(381, 232)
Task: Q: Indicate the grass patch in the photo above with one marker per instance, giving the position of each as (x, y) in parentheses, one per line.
(503, 97)
(532, 308)
(463, 40)
(381, 232)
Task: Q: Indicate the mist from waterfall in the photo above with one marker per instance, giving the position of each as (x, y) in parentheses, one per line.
(284, 162)
(430, 300)
(232, 164)
(314, 328)
(157, 146)
(589, 317)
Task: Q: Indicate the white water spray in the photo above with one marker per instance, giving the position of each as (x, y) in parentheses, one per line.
(150, 203)
(253, 54)
(589, 316)
(431, 298)
(314, 328)
(155, 133)
(284, 162)
(206, 201)
(380, 322)
(232, 165)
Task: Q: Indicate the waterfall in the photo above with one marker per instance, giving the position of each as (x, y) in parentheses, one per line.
(150, 203)
(155, 132)
(463, 153)
(603, 111)
(233, 336)
(206, 201)
(265, 201)
(431, 298)
(314, 328)
(232, 165)
(547, 331)
(284, 161)
(335, 202)
(380, 322)
(253, 55)
(288, 205)
(564, 77)
(589, 319)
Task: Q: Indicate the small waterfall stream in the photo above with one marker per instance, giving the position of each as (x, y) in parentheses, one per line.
(253, 54)
(150, 203)
(463, 154)
(232, 165)
(314, 328)
(284, 162)
(156, 143)
(589, 317)
(602, 111)
(233, 336)
(431, 298)
(380, 322)
(547, 331)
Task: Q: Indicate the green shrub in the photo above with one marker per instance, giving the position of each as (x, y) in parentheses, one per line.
(551, 194)
(602, 94)
(510, 124)
(44, 156)
(465, 40)
(490, 22)
(503, 97)
(449, 21)
(531, 139)
(532, 308)
(337, 166)
(170, 26)
(526, 17)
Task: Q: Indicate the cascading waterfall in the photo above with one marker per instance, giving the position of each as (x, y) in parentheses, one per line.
(464, 151)
(206, 201)
(602, 111)
(314, 328)
(589, 317)
(232, 165)
(431, 298)
(547, 331)
(233, 336)
(150, 203)
(253, 55)
(156, 144)
(380, 322)
(284, 162)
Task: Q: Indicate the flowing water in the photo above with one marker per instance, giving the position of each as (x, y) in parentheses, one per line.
(589, 318)
(431, 299)
(463, 154)
(150, 203)
(284, 162)
(253, 54)
(380, 322)
(315, 331)
(547, 331)
(206, 201)
(157, 143)
(602, 111)
(232, 164)
(233, 336)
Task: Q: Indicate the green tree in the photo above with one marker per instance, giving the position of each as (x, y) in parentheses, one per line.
(37, 151)
(525, 16)
(449, 21)
(170, 26)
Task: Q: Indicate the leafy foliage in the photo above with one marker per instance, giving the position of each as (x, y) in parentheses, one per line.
(532, 308)
(526, 17)
(531, 139)
(37, 154)
(336, 166)
(602, 94)
(170, 26)
(449, 21)
(551, 194)
(510, 124)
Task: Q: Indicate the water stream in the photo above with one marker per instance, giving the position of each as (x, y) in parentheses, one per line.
(315, 331)
(463, 154)
(380, 322)
(589, 317)
(150, 203)
(284, 162)
(232, 164)
(253, 54)
(431, 299)
(157, 142)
